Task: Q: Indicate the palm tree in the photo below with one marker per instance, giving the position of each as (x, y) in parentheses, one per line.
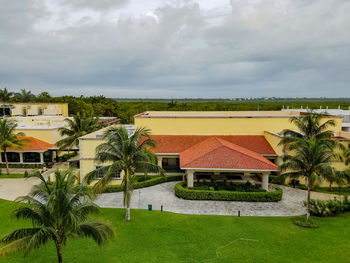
(309, 125)
(58, 210)
(309, 159)
(337, 177)
(25, 96)
(80, 125)
(5, 95)
(127, 154)
(9, 138)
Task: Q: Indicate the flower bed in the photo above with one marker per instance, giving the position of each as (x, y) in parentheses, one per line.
(224, 195)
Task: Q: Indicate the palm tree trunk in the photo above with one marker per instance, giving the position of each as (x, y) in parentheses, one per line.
(127, 216)
(127, 194)
(7, 163)
(308, 203)
(59, 252)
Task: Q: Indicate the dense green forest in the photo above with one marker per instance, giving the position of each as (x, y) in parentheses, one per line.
(126, 108)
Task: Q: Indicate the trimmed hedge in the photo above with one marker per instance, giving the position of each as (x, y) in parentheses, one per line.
(150, 182)
(185, 193)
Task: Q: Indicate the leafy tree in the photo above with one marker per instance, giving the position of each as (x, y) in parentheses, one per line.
(127, 154)
(25, 96)
(5, 95)
(9, 138)
(44, 97)
(80, 125)
(58, 210)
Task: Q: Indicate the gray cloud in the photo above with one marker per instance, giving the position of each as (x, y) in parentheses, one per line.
(254, 48)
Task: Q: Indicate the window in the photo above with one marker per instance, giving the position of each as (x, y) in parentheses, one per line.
(12, 157)
(30, 157)
(47, 156)
(116, 175)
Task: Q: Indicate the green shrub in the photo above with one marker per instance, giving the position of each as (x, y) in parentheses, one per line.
(334, 207)
(276, 179)
(301, 221)
(185, 193)
(154, 180)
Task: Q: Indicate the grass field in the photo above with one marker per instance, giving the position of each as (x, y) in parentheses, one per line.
(165, 237)
(11, 176)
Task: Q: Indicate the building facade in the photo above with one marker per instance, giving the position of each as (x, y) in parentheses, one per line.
(221, 146)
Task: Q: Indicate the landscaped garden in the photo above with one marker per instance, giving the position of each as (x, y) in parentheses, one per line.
(227, 192)
(165, 237)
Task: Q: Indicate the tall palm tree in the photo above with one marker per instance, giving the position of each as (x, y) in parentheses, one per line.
(310, 159)
(25, 96)
(9, 138)
(58, 210)
(127, 154)
(80, 125)
(5, 95)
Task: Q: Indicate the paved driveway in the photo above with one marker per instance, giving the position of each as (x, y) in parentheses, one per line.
(163, 194)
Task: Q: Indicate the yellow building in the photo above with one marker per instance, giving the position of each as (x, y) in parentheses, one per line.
(40, 123)
(230, 145)
(33, 109)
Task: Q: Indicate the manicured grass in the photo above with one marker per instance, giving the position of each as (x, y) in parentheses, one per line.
(165, 237)
(11, 176)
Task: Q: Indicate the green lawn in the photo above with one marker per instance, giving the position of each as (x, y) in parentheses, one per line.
(11, 176)
(165, 237)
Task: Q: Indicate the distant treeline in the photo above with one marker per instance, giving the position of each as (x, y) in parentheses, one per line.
(125, 109)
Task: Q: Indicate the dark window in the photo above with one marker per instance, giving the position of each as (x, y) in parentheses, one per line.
(5, 111)
(116, 175)
(31, 157)
(203, 175)
(48, 156)
(12, 157)
(171, 165)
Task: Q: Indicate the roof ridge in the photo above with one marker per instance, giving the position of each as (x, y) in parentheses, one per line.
(210, 138)
(260, 157)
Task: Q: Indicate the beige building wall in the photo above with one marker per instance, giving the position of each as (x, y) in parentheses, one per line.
(219, 123)
(33, 108)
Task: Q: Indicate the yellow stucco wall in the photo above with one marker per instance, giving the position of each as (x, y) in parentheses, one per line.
(47, 135)
(19, 107)
(219, 126)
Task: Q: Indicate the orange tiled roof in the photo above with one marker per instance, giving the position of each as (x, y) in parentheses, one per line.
(32, 144)
(179, 143)
(216, 153)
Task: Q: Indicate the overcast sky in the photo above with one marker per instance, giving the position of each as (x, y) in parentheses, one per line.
(176, 48)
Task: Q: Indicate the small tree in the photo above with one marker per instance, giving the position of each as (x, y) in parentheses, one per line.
(58, 210)
(5, 95)
(125, 153)
(9, 138)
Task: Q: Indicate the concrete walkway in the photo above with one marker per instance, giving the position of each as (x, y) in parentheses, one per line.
(163, 194)
(11, 188)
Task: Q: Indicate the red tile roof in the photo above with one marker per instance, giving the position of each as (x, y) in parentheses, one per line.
(178, 143)
(32, 144)
(216, 153)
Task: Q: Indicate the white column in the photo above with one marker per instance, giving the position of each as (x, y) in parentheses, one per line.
(41, 157)
(160, 161)
(190, 178)
(21, 157)
(265, 181)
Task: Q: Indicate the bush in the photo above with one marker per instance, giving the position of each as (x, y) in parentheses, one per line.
(334, 207)
(185, 193)
(146, 183)
(301, 221)
(276, 179)
(228, 186)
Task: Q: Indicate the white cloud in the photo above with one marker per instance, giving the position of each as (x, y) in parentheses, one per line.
(177, 48)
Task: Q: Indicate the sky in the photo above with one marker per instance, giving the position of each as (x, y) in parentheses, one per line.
(176, 48)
